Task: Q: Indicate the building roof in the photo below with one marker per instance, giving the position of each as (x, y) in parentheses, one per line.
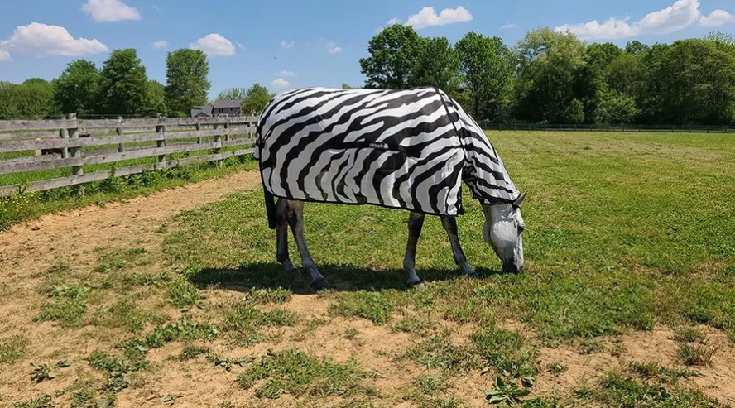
(206, 109)
(227, 103)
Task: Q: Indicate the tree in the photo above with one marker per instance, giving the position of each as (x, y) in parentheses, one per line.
(615, 108)
(346, 86)
(626, 74)
(486, 65)
(76, 89)
(8, 101)
(696, 83)
(256, 98)
(592, 85)
(124, 83)
(35, 99)
(156, 98)
(637, 48)
(232, 93)
(187, 85)
(548, 64)
(437, 65)
(393, 58)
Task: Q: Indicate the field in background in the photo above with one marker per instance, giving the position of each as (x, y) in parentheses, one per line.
(626, 301)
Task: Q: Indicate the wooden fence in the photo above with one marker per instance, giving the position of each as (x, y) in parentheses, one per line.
(73, 143)
(523, 126)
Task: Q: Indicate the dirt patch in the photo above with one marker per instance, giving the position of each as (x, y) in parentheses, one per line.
(71, 238)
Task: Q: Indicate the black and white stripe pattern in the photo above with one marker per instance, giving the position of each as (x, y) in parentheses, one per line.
(408, 149)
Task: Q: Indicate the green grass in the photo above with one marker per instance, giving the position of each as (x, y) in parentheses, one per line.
(300, 374)
(624, 232)
(31, 205)
(12, 349)
(625, 392)
(68, 306)
(125, 314)
(244, 323)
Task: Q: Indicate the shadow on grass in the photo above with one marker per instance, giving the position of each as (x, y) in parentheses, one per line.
(340, 278)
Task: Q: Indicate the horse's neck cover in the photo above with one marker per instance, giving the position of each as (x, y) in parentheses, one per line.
(408, 149)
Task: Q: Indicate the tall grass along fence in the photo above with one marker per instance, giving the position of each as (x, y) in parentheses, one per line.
(499, 126)
(47, 154)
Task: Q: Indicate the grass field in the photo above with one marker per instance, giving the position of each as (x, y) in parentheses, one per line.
(627, 299)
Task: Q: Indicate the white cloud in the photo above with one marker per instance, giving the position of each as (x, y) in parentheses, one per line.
(157, 9)
(509, 26)
(41, 39)
(160, 44)
(4, 55)
(334, 49)
(680, 15)
(240, 46)
(392, 21)
(214, 44)
(285, 73)
(717, 18)
(427, 17)
(287, 45)
(280, 83)
(109, 11)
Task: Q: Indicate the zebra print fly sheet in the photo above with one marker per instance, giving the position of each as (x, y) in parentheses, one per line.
(408, 149)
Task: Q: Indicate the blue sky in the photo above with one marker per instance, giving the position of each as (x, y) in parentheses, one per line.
(290, 44)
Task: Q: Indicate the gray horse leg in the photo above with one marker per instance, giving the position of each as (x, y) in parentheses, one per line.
(295, 218)
(282, 255)
(450, 226)
(415, 223)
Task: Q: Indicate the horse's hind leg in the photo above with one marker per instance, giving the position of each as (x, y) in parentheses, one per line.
(282, 255)
(295, 218)
(450, 226)
(415, 223)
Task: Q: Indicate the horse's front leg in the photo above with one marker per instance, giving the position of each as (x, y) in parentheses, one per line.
(415, 223)
(295, 218)
(450, 226)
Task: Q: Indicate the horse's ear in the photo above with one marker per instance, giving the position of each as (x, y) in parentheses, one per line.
(519, 200)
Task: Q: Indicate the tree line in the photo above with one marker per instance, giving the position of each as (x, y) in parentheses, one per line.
(553, 77)
(547, 77)
(120, 87)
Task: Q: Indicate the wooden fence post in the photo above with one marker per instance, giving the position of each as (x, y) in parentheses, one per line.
(217, 139)
(198, 127)
(120, 146)
(64, 134)
(75, 151)
(161, 143)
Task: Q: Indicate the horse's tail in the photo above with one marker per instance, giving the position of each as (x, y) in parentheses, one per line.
(270, 208)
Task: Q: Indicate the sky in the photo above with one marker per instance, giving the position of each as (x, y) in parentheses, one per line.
(290, 44)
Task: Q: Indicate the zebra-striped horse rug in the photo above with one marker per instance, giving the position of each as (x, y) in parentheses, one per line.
(408, 149)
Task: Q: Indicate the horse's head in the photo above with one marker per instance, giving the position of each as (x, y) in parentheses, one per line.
(502, 231)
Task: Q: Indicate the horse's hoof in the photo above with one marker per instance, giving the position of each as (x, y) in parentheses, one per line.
(320, 284)
(472, 275)
(412, 282)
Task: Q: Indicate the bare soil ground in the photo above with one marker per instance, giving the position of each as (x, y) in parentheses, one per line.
(74, 238)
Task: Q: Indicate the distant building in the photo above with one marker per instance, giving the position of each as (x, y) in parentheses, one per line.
(222, 107)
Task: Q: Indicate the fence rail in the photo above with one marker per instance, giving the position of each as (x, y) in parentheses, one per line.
(500, 126)
(37, 145)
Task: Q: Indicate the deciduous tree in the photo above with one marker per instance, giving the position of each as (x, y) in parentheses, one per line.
(124, 84)
(76, 90)
(393, 58)
(256, 98)
(187, 83)
(486, 65)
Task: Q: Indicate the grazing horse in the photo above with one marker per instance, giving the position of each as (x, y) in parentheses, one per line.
(405, 149)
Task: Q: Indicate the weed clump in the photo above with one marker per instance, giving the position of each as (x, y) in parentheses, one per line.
(299, 374)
